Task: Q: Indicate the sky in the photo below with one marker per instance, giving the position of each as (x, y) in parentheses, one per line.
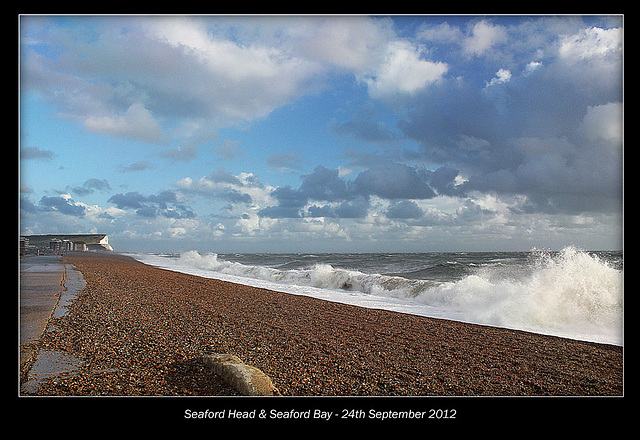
(323, 133)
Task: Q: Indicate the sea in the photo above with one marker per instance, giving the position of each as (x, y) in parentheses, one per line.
(572, 293)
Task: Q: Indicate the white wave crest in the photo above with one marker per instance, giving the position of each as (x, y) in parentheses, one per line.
(571, 293)
(323, 276)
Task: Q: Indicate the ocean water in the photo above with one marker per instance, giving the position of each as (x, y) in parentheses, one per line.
(571, 293)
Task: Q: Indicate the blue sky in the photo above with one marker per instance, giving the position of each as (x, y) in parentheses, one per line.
(323, 133)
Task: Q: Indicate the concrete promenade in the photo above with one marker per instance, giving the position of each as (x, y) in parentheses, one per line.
(41, 282)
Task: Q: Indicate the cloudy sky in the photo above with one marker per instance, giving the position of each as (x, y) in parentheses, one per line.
(323, 133)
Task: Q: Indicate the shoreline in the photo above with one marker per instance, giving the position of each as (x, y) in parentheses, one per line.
(142, 330)
(429, 294)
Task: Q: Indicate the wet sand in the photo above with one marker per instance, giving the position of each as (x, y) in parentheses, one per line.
(142, 331)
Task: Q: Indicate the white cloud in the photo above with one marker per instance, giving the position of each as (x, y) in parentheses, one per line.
(604, 122)
(244, 189)
(196, 74)
(554, 135)
(135, 123)
(443, 32)
(590, 43)
(403, 71)
(128, 76)
(99, 215)
(546, 146)
(502, 76)
(348, 42)
(235, 81)
(483, 36)
(531, 67)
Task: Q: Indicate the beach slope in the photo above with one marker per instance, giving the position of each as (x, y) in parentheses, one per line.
(141, 330)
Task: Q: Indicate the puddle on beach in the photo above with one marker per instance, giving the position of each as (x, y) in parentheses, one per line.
(74, 283)
(49, 364)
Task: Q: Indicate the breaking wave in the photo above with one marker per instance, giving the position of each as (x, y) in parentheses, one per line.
(322, 276)
(571, 293)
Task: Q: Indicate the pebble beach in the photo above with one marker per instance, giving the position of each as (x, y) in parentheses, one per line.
(143, 331)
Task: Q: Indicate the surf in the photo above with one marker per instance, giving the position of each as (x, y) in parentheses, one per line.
(571, 293)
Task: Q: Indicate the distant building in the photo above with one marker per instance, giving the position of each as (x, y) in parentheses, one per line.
(57, 243)
(67, 245)
(24, 245)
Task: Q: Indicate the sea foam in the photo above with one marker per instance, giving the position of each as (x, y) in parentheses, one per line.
(571, 293)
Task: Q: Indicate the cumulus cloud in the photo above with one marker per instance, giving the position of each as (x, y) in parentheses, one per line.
(352, 198)
(356, 208)
(127, 82)
(325, 184)
(405, 209)
(491, 120)
(592, 42)
(135, 123)
(604, 122)
(27, 206)
(290, 202)
(482, 37)
(531, 67)
(238, 81)
(62, 204)
(165, 204)
(240, 192)
(550, 130)
(353, 209)
(393, 181)
(502, 76)
(403, 72)
(132, 77)
(353, 43)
